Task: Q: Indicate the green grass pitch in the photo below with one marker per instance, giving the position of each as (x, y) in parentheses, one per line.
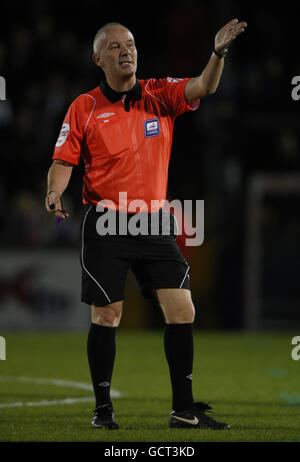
(250, 379)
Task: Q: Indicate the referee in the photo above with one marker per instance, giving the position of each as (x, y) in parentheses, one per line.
(123, 131)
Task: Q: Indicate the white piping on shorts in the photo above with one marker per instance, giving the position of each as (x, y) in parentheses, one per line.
(184, 277)
(82, 249)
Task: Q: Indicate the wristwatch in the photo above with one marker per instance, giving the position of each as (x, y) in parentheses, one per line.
(221, 55)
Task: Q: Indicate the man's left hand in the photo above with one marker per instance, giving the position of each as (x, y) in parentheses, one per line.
(227, 34)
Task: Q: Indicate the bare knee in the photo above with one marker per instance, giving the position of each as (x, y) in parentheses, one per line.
(181, 315)
(109, 315)
(177, 305)
(189, 314)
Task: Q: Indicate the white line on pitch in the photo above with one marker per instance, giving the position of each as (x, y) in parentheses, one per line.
(57, 383)
(46, 402)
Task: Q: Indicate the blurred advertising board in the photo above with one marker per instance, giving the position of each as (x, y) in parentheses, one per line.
(41, 290)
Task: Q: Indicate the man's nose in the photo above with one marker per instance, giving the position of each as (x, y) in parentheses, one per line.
(124, 50)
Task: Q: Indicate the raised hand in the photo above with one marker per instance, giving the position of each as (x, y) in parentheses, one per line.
(227, 34)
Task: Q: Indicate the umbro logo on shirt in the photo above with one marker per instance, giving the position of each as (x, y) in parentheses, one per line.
(105, 115)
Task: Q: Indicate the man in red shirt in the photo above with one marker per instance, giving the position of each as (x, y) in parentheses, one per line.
(123, 132)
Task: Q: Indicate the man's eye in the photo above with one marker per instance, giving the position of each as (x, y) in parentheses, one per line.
(115, 46)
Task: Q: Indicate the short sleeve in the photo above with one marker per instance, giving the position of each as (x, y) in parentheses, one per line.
(173, 93)
(70, 139)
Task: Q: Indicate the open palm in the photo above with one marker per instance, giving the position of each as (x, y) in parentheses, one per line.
(228, 33)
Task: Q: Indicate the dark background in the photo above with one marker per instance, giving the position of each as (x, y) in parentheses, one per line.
(249, 125)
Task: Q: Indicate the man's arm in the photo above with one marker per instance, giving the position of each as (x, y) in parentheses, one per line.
(58, 179)
(208, 81)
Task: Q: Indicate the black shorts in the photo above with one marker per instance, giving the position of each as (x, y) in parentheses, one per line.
(156, 261)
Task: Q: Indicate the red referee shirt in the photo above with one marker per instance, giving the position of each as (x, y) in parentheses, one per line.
(125, 147)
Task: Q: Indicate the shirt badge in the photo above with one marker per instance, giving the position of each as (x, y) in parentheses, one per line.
(151, 127)
(63, 135)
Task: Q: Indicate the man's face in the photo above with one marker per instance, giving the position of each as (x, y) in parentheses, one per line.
(116, 52)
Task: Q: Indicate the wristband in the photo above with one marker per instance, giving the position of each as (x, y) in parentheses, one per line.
(53, 192)
(219, 54)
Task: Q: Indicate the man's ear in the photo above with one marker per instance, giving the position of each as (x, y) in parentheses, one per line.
(97, 60)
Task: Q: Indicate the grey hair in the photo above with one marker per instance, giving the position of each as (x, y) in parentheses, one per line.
(100, 32)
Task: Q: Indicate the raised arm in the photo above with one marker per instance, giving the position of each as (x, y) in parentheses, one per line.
(58, 179)
(207, 83)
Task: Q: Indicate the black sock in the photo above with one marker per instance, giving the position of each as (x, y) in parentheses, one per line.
(179, 348)
(101, 350)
